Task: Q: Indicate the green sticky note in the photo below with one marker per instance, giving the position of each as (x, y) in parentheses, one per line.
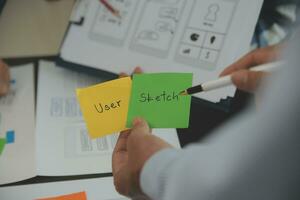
(2, 144)
(155, 97)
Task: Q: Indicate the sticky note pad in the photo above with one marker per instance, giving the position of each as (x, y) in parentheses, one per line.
(10, 137)
(105, 106)
(74, 196)
(155, 97)
(2, 144)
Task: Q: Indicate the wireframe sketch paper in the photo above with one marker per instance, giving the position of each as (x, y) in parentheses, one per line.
(63, 144)
(17, 136)
(198, 36)
(94, 189)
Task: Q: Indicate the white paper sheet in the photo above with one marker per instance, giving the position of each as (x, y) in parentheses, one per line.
(198, 36)
(17, 161)
(63, 146)
(96, 189)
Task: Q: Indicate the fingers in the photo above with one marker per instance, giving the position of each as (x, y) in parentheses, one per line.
(256, 57)
(247, 80)
(121, 144)
(4, 78)
(243, 63)
(137, 70)
(122, 75)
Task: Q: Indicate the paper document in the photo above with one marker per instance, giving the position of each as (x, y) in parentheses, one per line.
(198, 36)
(63, 144)
(17, 136)
(94, 189)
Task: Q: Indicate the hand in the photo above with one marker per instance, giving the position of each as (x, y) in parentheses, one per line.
(249, 80)
(4, 78)
(134, 147)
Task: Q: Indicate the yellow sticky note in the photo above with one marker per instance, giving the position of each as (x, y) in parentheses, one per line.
(105, 106)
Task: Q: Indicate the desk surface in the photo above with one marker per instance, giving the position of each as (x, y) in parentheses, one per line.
(42, 24)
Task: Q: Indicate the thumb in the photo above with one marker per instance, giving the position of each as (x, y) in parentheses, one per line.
(140, 126)
(4, 87)
(247, 80)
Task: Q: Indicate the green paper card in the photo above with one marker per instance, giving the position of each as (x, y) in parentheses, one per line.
(2, 144)
(155, 97)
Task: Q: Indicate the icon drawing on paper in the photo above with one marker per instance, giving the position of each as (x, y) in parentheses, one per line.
(212, 14)
(195, 37)
(207, 55)
(163, 26)
(169, 13)
(187, 51)
(148, 35)
(212, 39)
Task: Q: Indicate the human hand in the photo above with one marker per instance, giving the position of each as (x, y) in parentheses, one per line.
(4, 78)
(245, 79)
(134, 147)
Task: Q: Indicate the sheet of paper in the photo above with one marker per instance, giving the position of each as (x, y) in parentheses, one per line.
(33, 27)
(95, 189)
(63, 144)
(2, 144)
(18, 160)
(73, 196)
(155, 97)
(105, 106)
(198, 36)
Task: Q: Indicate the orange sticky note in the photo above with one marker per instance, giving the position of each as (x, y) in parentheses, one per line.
(74, 196)
(105, 106)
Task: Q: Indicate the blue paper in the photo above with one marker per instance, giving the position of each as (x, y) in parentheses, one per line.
(10, 137)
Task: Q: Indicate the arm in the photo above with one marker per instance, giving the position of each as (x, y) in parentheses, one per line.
(4, 78)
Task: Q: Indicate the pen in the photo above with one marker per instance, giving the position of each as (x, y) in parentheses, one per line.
(226, 80)
(111, 8)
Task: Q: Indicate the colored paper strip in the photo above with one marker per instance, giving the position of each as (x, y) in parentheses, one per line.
(10, 137)
(74, 196)
(2, 144)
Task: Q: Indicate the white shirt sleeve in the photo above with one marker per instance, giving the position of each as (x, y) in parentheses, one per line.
(256, 156)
